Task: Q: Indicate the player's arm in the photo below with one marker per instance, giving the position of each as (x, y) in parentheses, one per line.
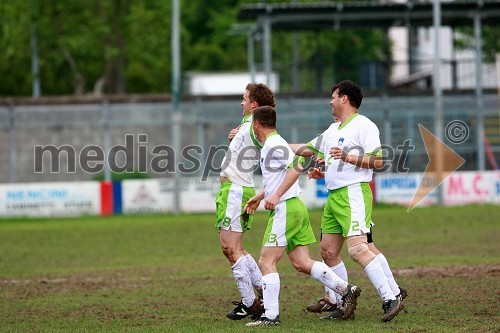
(292, 174)
(254, 202)
(301, 149)
(368, 161)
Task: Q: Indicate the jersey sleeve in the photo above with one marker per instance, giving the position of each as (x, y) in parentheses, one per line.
(370, 139)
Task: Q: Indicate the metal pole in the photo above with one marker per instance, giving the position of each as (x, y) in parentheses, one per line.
(438, 96)
(479, 93)
(387, 123)
(106, 139)
(176, 116)
(268, 67)
(13, 144)
(200, 120)
(250, 54)
(35, 71)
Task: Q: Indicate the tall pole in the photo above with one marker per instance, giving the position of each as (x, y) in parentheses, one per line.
(251, 53)
(176, 116)
(268, 66)
(479, 93)
(438, 98)
(35, 70)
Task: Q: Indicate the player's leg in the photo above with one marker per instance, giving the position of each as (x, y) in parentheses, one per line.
(273, 248)
(253, 268)
(231, 227)
(353, 211)
(401, 293)
(299, 235)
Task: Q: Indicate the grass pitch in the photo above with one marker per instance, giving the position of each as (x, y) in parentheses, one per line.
(167, 274)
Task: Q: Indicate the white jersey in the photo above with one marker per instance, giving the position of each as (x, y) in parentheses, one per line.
(242, 156)
(358, 136)
(276, 158)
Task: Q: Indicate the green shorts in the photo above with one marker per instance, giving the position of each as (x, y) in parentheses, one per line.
(230, 202)
(289, 225)
(348, 210)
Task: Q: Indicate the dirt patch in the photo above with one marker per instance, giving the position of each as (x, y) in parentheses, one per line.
(450, 271)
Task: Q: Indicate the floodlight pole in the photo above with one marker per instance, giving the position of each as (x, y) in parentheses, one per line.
(479, 92)
(176, 116)
(35, 68)
(438, 98)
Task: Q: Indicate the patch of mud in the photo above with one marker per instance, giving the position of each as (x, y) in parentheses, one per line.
(450, 271)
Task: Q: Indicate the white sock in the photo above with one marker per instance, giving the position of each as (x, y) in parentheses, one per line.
(271, 291)
(255, 274)
(387, 271)
(242, 278)
(379, 280)
(341, 272)
(322, 273)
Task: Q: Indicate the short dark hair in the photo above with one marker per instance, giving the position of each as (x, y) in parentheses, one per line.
(265, 116)
(260, 93)
(351, 90)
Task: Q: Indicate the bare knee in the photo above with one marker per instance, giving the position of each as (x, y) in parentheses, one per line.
(330, 255)
(359, 251)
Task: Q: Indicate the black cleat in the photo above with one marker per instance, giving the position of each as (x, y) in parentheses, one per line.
(402, 294)
(264, 321)
(321, 306)
(241, 311)
(351, 300)
(391, 309)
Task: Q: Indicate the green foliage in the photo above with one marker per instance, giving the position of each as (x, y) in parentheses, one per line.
(116, 46)
(167, 273)
(464, 39)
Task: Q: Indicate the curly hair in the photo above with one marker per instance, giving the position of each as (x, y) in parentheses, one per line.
(260, 93)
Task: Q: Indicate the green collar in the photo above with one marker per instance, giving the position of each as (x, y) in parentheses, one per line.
(246, 118)
(342, 125)
(271, 134)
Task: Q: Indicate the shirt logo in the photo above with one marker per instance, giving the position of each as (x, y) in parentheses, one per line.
(341, 141)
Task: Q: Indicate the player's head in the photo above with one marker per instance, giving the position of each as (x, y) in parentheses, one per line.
(264, 117)
(351, 90)
(260, 94)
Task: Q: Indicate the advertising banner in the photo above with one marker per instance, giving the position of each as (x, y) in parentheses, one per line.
(50, 199)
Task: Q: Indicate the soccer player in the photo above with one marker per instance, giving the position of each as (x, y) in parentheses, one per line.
(288, 228)
(351, 149)
(331, 256)
(237, 187)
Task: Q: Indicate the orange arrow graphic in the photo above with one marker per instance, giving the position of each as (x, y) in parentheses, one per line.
(443, 161)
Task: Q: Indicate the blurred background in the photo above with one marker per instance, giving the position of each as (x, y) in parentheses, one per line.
(79, 73)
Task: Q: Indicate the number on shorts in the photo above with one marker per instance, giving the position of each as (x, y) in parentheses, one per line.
(272, 238)
(226, 222)
(354, 225)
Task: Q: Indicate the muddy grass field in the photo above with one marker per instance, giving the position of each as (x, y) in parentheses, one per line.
(167, 274)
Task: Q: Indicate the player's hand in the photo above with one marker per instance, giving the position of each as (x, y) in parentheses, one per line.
(337, 153)
(233, 132)
(318, 160)
(271, 202)
(315, 173)
(252, 205)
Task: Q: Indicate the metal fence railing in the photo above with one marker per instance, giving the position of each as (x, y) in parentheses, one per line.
(132, 131)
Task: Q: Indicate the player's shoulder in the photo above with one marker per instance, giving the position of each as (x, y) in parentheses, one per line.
(332, 128)
(366, 122)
